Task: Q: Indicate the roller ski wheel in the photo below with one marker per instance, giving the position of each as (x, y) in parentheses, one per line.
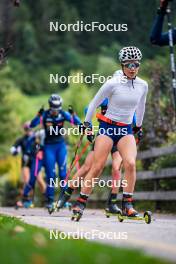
(76, 216)
(112, 210)
(148, 217)
(120, 217)
(107, 213)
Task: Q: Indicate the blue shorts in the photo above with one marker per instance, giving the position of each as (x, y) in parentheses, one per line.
(113, 150)
(114, 132)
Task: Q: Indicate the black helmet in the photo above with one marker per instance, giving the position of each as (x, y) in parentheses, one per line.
(55, 102)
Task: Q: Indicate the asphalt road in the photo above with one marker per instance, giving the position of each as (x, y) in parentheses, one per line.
(156, 239)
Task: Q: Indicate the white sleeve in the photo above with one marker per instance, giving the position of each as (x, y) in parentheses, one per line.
(104, 92)
(140, 110)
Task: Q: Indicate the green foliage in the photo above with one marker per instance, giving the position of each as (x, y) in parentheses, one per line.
(9, 193)
(32, 80)
(36, 49)
(15, 108)
(106, 66)
(171, 138)
(164, 162)
(78, 95)
(159, 115)
(9, 97)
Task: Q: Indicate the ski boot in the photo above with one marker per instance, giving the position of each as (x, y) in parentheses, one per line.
(63, 200)
(51, 206)
(19, 204)
(129, 213)
(68, 205)
(28, 204)
(24, 203)
(78, 209)
(112, 209)
(127, 207)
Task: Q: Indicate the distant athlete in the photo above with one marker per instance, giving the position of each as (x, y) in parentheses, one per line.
(158, 37)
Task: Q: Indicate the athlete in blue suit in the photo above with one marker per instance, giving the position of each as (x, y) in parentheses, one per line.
(54, 146)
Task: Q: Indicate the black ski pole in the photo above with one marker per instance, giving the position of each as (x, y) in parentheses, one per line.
(172, 57)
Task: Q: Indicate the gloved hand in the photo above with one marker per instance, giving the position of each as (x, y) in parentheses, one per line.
(13, 151)
(163, 6)
(103, 109)
(16, 2)
(41, 110)
(70, 109)
(140, 134)
(164, 3)
(86, 128)
(138, 131)
(90, 136)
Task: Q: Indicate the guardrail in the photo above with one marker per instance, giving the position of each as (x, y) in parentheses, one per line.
(156, 194)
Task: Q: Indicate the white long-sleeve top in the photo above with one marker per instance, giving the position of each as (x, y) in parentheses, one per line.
(124, 98)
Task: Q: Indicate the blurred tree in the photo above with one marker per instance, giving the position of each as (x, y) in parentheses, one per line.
(38, 49)
(159, 118)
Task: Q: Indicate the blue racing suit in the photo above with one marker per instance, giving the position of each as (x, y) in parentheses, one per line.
(104, 106)
(54, 147)
(156, 36)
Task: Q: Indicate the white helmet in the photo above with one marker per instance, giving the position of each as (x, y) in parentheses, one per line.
(130, 53)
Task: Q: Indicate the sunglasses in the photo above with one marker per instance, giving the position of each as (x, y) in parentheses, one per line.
(54, 109)
(131, 65)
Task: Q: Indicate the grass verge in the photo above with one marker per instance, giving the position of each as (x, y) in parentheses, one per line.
(22, 243)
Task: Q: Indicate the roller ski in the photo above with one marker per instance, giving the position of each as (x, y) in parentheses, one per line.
(112, 209)
(129, 213)
(78, 210)
(51, 207)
